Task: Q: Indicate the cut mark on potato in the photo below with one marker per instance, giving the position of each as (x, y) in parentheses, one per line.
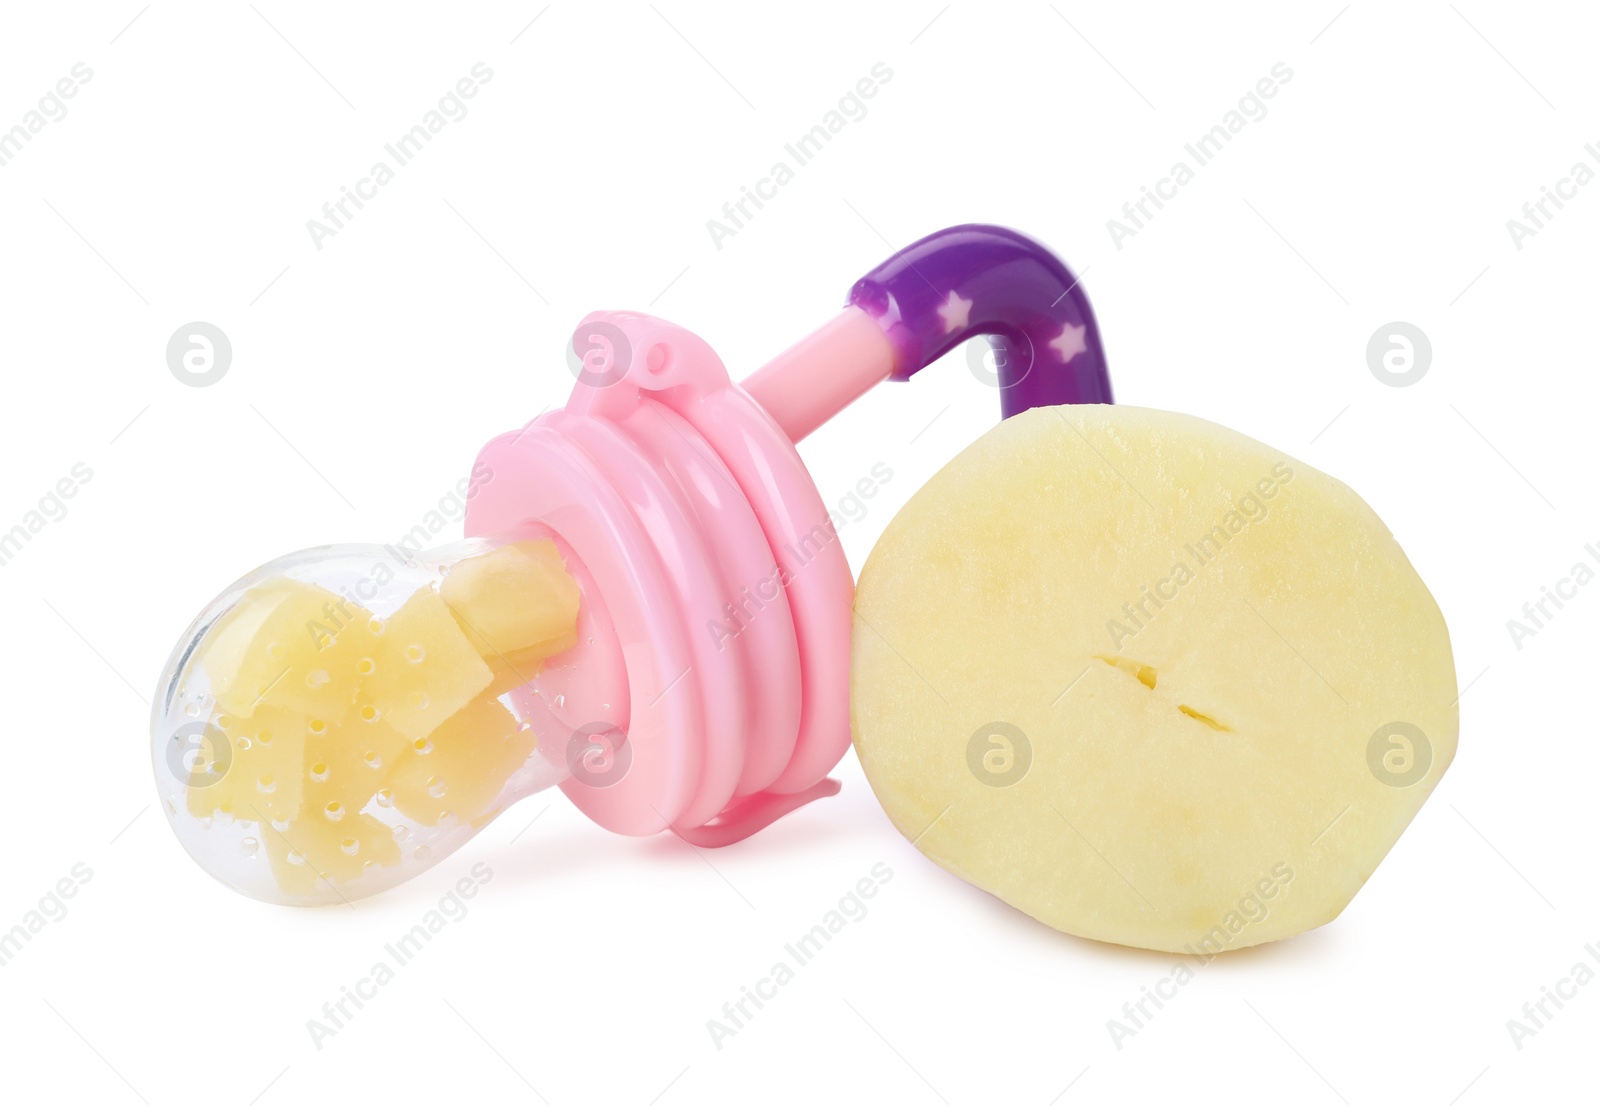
(1143, 672)
(1146, 674)
(1209, 722)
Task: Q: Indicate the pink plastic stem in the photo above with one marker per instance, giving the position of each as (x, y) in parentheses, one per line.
(816, 379)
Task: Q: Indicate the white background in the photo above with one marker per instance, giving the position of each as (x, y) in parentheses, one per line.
(366, 375)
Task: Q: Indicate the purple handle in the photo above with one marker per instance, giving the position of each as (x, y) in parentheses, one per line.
(977, 279)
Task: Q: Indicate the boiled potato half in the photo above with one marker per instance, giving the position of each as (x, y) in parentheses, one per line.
(1148, 680)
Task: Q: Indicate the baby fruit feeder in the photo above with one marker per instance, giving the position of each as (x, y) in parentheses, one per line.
(704, 686)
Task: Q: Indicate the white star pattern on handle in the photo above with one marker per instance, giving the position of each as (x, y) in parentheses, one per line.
(1069, 343)
(954, 312)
